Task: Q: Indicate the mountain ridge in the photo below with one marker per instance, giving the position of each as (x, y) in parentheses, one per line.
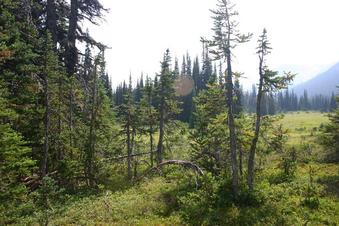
(324, 83)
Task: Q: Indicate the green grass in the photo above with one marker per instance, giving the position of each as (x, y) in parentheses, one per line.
(302, 126)
(168, 201)
(141, 205)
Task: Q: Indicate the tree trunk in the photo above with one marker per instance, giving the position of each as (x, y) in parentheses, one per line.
(47, 127)
(151, 144)
(70, 123)
(51, 22)
(71, 57)
(150, 128)
(135, 175)
(251, 158)
(231, 125)
(129, 146)
(59, 143)
(240, 161)
(160, 147)
(71, 50)
(92, 139)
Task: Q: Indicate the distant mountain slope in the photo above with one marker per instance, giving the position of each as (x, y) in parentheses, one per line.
(324, 83)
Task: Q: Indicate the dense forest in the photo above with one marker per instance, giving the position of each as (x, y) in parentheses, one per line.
(187, 146)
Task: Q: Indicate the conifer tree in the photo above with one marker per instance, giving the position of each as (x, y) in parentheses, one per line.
(268, 82)
(188, 65)
(176, 68)
(104, 78)
(196, 75)
(91, 10)
(183, 66)
(210, 129)
(149, 114)
(167, 104)
(226, 38)
(128, 114)
(333, 103)
(16, 160)
(329, 137)
(238, 106)
(51, 20)
(50, 71)
(207, 69)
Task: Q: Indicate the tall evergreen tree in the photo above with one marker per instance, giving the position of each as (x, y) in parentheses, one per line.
(207, 69)
(333, 103)
(176, 68)
(210, 129)
(226, 38)
(268, 81)
(128, 113)
(167, 102)
(91, 10)
(238, 106)
(184, 66)
(188, 65)
(149, 114)
(196, 75)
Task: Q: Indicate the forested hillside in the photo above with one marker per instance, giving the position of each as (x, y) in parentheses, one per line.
(186, 146)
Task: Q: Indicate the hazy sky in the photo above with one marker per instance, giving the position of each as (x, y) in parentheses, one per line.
(304, 34)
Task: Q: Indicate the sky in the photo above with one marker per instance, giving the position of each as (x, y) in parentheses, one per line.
(304, 35)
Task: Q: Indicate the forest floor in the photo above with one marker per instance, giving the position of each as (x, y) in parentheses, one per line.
(309, 198)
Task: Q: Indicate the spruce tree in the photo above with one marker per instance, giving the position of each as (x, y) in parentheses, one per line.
(183, 66)
(329, 136)
(167, 104)
(209, 131)
(226, 38)
(149, 115)
(196, 75)
(269, 81)
(16, 160)
(128, 111)
(333, 103)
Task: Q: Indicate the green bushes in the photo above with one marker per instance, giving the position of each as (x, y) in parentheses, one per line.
(197, 206)
(289, 163)
(311, 197)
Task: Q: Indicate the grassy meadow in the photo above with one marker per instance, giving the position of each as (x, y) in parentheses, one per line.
(309, 198)
(303, 126)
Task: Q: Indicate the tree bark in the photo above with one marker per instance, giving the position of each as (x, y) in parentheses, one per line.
(46, 132)
(71, 50)
(59, 142)
(70, 123)
(150, 128)
(161, 132)
(129, 145)
(51, 22)
(151, 143)
(231, 124)
(251, 158)
(92, 138)
(240, 161)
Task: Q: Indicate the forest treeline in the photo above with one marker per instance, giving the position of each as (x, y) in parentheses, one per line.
(272, 103)
(64, 130)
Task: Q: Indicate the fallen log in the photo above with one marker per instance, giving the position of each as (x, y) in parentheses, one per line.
(185, 164)
(34, 182)
(127, 156)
